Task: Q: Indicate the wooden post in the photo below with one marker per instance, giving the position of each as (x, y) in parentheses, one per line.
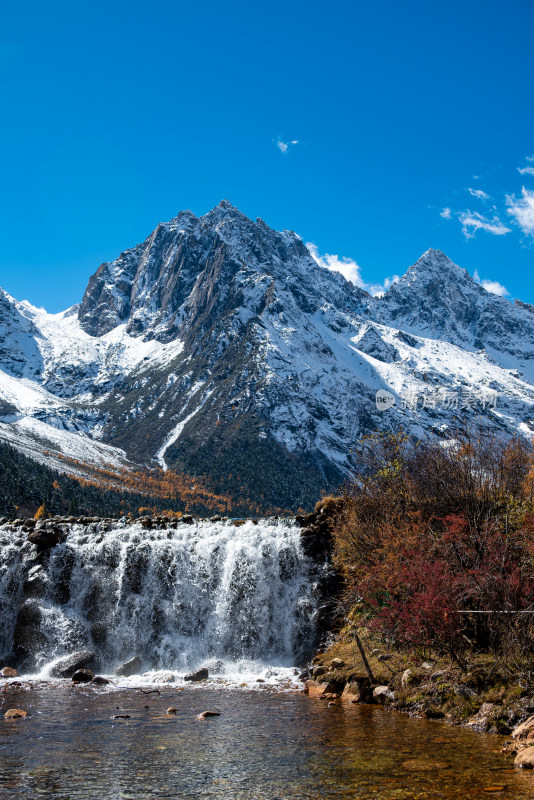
(364, 658)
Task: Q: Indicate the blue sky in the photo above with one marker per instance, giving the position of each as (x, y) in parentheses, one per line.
(118, 115)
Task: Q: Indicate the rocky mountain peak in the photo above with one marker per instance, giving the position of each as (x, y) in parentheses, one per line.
(194, 266)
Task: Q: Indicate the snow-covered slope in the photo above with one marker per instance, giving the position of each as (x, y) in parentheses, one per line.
(219, 347)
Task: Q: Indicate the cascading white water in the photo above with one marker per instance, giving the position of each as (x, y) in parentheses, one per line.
(209, 593)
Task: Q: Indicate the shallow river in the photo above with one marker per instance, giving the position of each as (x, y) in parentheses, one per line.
(263, 746)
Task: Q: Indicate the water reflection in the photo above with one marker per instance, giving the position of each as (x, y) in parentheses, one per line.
(263, 746)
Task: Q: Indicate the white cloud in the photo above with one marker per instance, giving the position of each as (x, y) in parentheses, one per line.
(285, 146)
(478, 193)
(522, 210)
(492, 286)
(528, 170)
(446, 213)
(495, 288)
(472, 222)
(379, 289)
(350, 270)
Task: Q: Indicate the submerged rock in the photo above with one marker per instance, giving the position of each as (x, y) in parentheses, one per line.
(17, 713)
(68, 666)
(422, 765)
(99, 680)
(206, 714)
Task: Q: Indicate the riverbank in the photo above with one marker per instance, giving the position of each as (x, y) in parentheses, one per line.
(487, 697)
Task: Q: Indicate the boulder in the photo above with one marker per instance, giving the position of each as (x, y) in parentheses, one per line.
(9, 672)
(172, 710)
(525, 759)
(131, 667)
(199, 675)
(317, 671)
(18, 713)
(68, 666)
(407, 678)
(523, 730)
(27, 638)
(356, 690)
(316, 689)
(337, 663)
(206, 714)
(83, 676)
(99, 680)
(382, 693)
(44, 538)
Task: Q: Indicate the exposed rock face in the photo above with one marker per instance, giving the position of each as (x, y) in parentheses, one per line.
(68, 666)
(438, 299)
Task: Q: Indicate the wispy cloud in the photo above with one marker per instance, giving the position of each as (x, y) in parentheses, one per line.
(350, 270)
(478, 193)
(521, 209)
(518, 207)
(492, 286)
(529, 169)
(472, 222)
(285, 147)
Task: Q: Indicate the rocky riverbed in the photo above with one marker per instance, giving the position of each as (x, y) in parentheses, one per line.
(85, 741)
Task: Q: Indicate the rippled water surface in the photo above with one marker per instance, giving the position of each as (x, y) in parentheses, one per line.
(263, 746)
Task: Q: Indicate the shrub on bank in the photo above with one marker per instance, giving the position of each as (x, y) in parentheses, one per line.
(435, 540)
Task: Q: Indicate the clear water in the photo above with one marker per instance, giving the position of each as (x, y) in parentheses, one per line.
(263, 746)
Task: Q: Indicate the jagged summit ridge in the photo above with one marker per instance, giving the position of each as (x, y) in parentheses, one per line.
(218, 346)
(155, 287)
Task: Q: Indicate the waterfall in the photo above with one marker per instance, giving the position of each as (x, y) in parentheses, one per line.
(233, 598)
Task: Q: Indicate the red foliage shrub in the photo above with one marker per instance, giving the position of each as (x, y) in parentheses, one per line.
(438, 543)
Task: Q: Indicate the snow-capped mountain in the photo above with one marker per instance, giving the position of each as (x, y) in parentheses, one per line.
(220, 347)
